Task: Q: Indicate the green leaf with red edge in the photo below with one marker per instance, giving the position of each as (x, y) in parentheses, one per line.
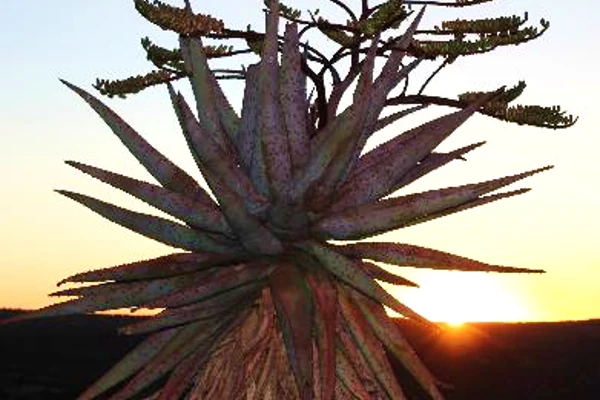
(295, 315)
(273, 134)
(293, 97)
(324, 291)
(369, 345)
(131, 363)
(194, 213)
(161, 168)
(391, 337)
(159, 267)
(397, 157)
(157, 228)
(367, 220)
(420, 257)
(346, 271)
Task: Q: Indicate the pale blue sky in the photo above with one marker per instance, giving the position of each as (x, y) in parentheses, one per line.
(45, 237)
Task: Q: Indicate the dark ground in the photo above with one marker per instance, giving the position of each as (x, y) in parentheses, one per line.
(56, 358)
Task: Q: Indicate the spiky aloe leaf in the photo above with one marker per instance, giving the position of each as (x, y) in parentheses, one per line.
(294, 305)
(293, 98)
(131, 363)
(395, 160)
(326, 313)
(335, 136)
(421, 257)
(237, 196)
(391, 337)
(213, 158)
(386, 79)
(348, 376)
(432, 162)
(376, 272)
(193, 337)
(160, 229)
(369, 345)
(390, 119)
(246, 139)
(221, 281)
(206, 90)
(161, 168)
(341, 159)
(370, 219)
(238, 297)
(273, 133)
(389, 78)
(160, 267)
(194, 213)
(358, 360)
(148, 289)
(345, 270)
(102, 300)
(182, 376)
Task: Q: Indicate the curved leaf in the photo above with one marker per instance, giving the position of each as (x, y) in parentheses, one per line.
(369, 345)
(130, 364)
(210, 308)
(294, 305)
(326, 313)
(160, 229)
(160, 267)
(221, 281)
(211, 158)
(376, 272)
(196, 214)
(161, 168)
(397, 212)
(389, 334)
(396, 157)
(420, 257)
(347, 272)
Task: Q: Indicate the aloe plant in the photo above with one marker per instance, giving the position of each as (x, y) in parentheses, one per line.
(261, 304)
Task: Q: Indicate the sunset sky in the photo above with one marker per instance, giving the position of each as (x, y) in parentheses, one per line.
(45, 237)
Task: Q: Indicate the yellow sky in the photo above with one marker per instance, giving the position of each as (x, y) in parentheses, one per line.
(45, 237)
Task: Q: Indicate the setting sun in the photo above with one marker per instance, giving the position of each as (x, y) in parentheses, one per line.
(456, 298)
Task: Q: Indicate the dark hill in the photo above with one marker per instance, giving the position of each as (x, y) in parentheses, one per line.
(56, 358)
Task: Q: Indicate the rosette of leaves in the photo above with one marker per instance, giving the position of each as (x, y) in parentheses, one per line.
(259, 303)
